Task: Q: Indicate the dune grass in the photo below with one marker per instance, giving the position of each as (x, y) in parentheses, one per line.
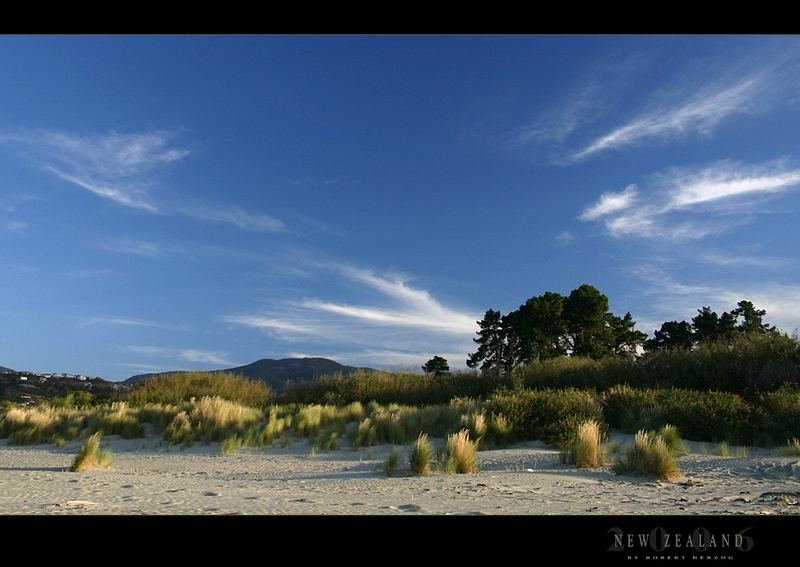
(421, 456)
(91, 456)
(649, 456)
(392, 460)
(672, 439)
(723, 449)
(181, 387)
(793, 446)
(230, 445)
(41, 424)
(587, 450)
(459, 454)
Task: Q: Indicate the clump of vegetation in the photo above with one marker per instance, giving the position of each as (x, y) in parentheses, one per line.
(230, 445)
(183, 386)
(498, 430)
(723, 449)
(180, 430)
(649, 456)
(587, 450)
(421, 456)
(117, 419)
(40, 424)
(366, 434)
(211, 419)
(672, 439)
(536, 414)
(158, 415)
(328, 440)
(794, 446)
(387, 388)
(459, 454)
(91, 456)
(392, 459)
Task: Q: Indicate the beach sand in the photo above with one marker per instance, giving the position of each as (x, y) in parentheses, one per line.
(147, 478)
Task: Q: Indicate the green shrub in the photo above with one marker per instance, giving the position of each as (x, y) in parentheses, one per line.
(535, 414)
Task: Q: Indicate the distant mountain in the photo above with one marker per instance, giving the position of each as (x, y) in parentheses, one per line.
(276, 372)
(4, 369)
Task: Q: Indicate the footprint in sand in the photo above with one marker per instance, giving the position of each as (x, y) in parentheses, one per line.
(209, 493)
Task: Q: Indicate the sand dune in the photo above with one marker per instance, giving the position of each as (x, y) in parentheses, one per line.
(146, 478)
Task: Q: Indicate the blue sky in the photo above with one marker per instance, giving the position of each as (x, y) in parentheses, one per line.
(196, 202)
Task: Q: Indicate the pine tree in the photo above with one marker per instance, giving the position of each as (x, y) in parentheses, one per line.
(491, 341)
(437, 366)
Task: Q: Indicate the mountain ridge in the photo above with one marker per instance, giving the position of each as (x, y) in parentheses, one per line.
(274, 372)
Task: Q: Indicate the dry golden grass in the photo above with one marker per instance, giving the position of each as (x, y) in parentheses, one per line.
(40, 424)
(90, 456)
(587, 451)
(421, 455)
(649, 456)
(794, 446)
(460, 454)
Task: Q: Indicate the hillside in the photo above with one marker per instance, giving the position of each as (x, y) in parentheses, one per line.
(276, 372)
(4, 369)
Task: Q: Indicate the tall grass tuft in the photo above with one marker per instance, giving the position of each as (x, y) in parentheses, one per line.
(672, 438)
(390, 466)
(91, 456)
(230, 445)
(459, 454)
(587, 449)
(649, 456)
(794, 446)
(723, 449)
(421, 455)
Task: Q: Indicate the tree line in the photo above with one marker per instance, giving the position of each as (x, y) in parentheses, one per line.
(552, 325)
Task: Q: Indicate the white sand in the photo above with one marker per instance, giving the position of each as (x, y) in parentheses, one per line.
(525, 479)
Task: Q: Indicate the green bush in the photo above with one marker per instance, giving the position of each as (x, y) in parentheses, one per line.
(536, 414)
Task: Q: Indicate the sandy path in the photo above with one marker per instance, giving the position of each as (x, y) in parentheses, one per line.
(525, 479)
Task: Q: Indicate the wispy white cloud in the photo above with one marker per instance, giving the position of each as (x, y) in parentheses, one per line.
(742, 260)
(188, 355)
(564, 238)
(133, 247)
(113, 320)
(17, 226)
(726, 193)
(418, 308)
(89, 273)
(272, 324)
(580, 104)
(400, 318)
(236, 216)
(670, 299)
(610, 202)
(118, 167)
(727, 179)
(701, 114)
